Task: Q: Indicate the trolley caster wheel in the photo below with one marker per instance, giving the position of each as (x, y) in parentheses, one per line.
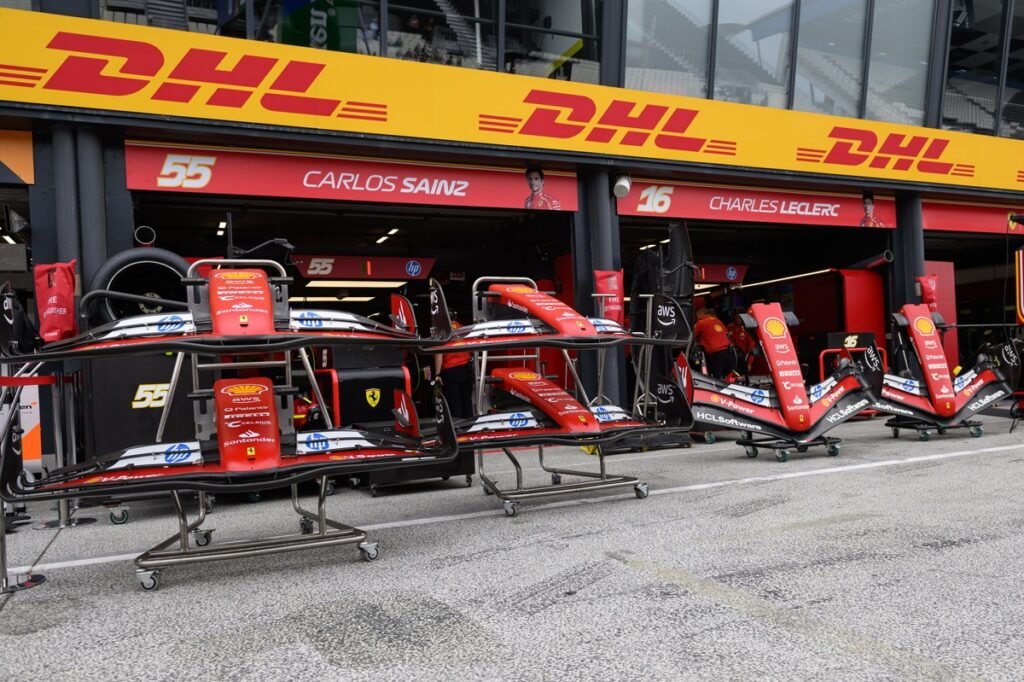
(832, 450)
(801, 448)
(782, 455)
(709, 437)
(641, 490)
(148, 580)
(511, 508)
(751, 451)
(976, 431)
(202, 538)
(941, 430)
(119, 516)
(488, 490)
(306, 526)
(330, 489)
(469, 481)
(445, 478)
(373, 491)
(252, 497)
(368, 551)
(924, 435)
(208, 505)
(556, 479)
(895, 432)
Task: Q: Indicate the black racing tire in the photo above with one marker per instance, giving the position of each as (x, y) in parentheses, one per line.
(143, 271)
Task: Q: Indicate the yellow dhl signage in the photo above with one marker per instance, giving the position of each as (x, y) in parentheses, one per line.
(89, 64)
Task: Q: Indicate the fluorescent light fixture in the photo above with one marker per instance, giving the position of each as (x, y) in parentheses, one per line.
(220, 233)
(356, 299)
(664, 241)
(8, 239)
(355, 283)
(392, 231)
(223, 224)
(382, 239)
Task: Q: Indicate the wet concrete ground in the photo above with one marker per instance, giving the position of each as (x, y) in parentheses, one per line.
(898, 559)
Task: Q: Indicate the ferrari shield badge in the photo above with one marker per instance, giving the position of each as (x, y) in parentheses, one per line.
(373, 396)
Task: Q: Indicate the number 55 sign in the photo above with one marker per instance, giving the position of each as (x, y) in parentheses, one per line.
(186, 171)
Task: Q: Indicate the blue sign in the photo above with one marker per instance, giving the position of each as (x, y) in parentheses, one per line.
(730, 273)
(310, 319)
(518, 420)
(413, 268)
(317, 442)
(602, 413)
(817, 390)
(179, 452)
(170, 323)
(909, 385)
(515, 327)
(758, 396)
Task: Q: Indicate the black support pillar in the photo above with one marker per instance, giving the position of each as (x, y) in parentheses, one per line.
(908, 247)
(92, 202)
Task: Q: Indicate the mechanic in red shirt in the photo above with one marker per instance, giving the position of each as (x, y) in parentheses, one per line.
(711, 333)
(456, 375)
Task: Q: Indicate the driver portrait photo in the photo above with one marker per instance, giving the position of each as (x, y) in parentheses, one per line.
(869, 219)
(538, 199)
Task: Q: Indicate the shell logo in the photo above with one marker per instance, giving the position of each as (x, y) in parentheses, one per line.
(524, 376)
(775, 327)
(924, 325)
(522, 290)
(235, 275)
(244, 389)
(715, 399)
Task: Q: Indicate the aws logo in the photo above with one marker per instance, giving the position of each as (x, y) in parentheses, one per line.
(120, 67)
(566, 116)
(860, 147)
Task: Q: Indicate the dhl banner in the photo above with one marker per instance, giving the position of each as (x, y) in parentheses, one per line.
(748, 204)
(16, 161)
(90, 64)
(245, 172)
(1018, 262)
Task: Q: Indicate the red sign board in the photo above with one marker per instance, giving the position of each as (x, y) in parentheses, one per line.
(981, 218)
(239, 172)
(363, 267)
(709, 202)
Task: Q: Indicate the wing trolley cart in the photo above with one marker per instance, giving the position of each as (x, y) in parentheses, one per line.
(10, 418)
(519, 405)
(241, 340)
(925, 396)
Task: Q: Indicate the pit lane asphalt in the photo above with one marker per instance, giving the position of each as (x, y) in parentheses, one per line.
(898, 559)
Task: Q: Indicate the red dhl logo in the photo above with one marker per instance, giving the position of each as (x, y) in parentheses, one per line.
(566, 116)
(859, 147)
(244, 389)
(136, 65)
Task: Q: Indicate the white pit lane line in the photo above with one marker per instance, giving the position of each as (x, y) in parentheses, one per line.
(428, 520)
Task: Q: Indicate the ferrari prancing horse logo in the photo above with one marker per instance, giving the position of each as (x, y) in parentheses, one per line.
(373, 396)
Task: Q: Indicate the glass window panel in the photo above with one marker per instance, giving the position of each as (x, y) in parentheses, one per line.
(975, 48)
(548, 55)
(423, 36)
(898, 73)
(347, 26)
(752, 54)
(572, 16)
(1013, 101)
(829, 56)
(667, 46)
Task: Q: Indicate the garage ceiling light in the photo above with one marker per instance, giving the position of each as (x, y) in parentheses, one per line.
(382, 239)
(8, 239)
(356, 299)
(355, 284)
(393, 231)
